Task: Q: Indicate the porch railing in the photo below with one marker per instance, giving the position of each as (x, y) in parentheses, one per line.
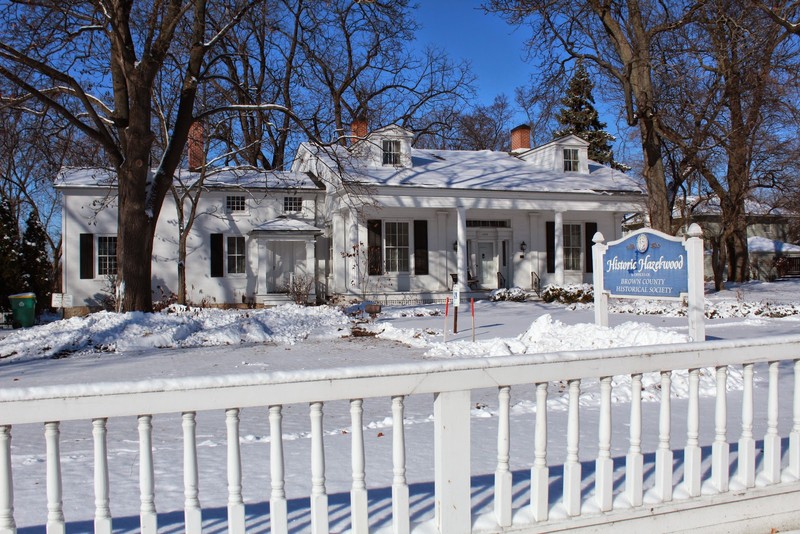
(742, 477)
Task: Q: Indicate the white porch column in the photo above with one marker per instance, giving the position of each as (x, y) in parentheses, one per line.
(339, 267)
(352, 271)
(311, 268)
(618, 217)
(442, 263)
(534, 247)
(559, 246)
(461, 254)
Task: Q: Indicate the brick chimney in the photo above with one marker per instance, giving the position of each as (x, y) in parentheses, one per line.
(195, 147)
(359, 129)
(521, 138)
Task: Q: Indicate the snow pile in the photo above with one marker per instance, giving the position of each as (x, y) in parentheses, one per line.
(178, 327)
(723, 309)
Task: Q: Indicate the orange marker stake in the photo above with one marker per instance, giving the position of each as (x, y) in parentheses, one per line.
(446, 310)
(472, 307)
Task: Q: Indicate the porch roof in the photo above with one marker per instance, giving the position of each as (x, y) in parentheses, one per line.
(286, 225)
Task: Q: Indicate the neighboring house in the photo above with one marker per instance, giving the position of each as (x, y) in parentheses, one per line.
(769, 233)
(378, 219)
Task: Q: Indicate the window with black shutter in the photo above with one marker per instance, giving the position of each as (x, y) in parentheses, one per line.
(217, 256)
(374, 247)
(550, 241)
(420, 247)
(591, 229)
(86, 246)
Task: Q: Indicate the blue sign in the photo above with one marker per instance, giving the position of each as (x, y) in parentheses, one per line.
(646, 265)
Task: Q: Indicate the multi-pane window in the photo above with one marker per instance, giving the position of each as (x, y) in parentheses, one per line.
(236, 255)
(572, 247)
(396, 247)
(106, 255)
(391, 152)
(235, 203)
(570, 160)
(292, 204)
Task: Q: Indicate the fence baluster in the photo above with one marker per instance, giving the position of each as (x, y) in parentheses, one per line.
(691, 453)
(193, 515)
(502, 475)
(7, 524)
(794, 435)
(720, 450)
(572, 467)
(746, 463)
(278, 514)
(663, 484)
(358, 493)
(772, 441)
(540, 473)
(319, 498)
(102, 514)
(235, 501)
(634, 461)
(55, 509)
(604, 466)
(400, 496)
(147, 515)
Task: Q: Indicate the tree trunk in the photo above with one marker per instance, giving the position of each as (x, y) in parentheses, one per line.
(718, 256)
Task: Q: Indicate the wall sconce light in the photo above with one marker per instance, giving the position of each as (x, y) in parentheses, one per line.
(523, 246)
(455, 246)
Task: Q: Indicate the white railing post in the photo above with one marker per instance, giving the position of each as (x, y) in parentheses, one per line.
(452, 461)
(278, 514)
(148, 518)
(7, 524)
(192, 513)
(720, 450)
(772, 441)
(746, 463)
(634, 461)
(604, 465)
(572, 467)
(235, 501)
(55, 510)
(102, 514)
(358, 492)
(691, 453)
(502, 475)
(400, 496)
(663, 484)
(794, 435)
(319, 498)
(540, 473)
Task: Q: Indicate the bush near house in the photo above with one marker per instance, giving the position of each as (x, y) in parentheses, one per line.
(568, 294)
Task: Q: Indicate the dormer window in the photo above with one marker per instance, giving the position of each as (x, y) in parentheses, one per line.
(391, 152)
(571, 160)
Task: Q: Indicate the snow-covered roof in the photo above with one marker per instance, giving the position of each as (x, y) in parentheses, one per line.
(764, 244)
(483, 170)
(218, 178)
(285, 224)
(710, 206)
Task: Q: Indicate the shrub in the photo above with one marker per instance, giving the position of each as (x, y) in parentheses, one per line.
(568, 294)
(514, 294)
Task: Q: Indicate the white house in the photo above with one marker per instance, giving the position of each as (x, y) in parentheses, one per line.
(378, 219)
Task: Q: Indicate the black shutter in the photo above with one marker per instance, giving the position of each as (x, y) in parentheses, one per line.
(550, 228)
(420, 247)
(217, 256)
(591, 229)
(374, 247)
(87, 256)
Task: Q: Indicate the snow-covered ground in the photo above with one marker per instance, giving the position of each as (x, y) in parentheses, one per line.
(200, 342)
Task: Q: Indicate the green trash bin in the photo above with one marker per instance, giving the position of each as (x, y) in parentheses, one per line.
(23, 307)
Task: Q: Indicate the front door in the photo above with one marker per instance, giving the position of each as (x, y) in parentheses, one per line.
(487, 264)
(283, 257)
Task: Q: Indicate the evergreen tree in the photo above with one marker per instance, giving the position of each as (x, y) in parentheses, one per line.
(37, 266)
(580, 118)
(10, 261)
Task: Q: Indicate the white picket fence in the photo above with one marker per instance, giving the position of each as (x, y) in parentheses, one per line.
(741, 483)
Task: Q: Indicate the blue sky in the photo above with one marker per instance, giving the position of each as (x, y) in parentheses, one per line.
(494, 48)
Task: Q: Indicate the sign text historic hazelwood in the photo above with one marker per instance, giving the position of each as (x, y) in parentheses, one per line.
(646, 265)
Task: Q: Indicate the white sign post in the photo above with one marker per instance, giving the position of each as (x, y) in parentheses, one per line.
(651, 264)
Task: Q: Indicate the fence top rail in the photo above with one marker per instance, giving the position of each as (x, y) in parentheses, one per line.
(112, 399)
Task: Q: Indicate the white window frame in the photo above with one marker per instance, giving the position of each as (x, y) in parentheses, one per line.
(397, 255)
(571, 164)
(573, 246)
(390, 153)
(106, 263)
(238, 255)
(235, 204)
(292, 204)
